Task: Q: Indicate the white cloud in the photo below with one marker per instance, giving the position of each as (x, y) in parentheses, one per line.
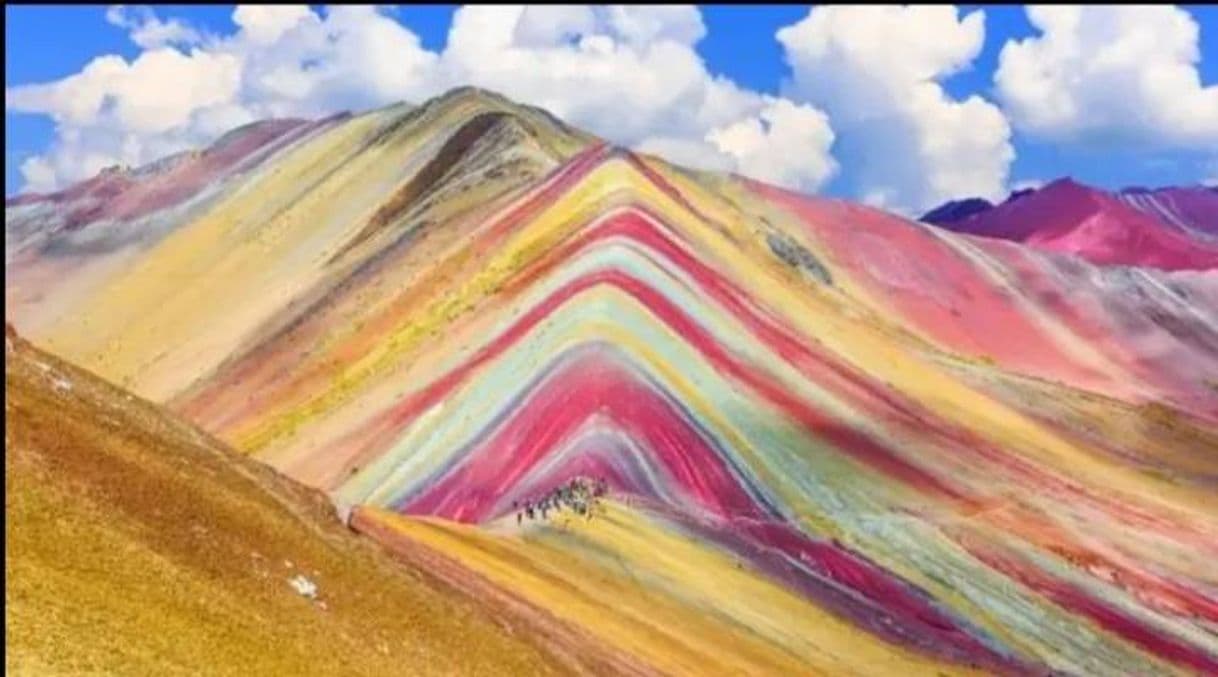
(297, 63)
(39, 173)
(630, 74)
(786, 144)
(119, 112)
(647, 24)
(282, 61)
(149, 32)
(264, 24)
(876, 70)
(1104, 74)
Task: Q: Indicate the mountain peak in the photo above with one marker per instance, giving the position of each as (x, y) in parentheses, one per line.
(1170, 228)
(476, 97)
(956, 210)
(1066, 184)
(470, 91)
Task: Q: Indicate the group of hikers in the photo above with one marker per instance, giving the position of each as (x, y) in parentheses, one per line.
(580, 495)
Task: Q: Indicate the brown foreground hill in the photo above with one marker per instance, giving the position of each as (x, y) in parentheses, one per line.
(137, 544)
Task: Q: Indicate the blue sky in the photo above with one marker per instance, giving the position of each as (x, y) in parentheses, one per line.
(47, 44)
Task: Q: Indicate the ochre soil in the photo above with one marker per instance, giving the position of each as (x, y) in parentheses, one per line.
(138, 545)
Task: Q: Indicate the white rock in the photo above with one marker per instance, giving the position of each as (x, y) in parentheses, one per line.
(304, 586)
(342, 508)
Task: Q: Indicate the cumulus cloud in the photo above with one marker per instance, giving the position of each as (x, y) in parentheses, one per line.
(786, 144)
(630, 74)
(185, 88)
(265, 24)
(1109, 74)
(149, 32)
(115, 111)
(154, 93)
(877, 71)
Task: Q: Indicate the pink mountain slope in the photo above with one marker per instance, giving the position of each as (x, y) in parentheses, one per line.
(1193, 209)
(122, 195)
(1128, 229)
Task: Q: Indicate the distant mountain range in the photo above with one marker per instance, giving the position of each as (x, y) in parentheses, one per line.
(1173, 228)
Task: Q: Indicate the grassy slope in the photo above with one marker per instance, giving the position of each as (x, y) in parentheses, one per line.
(138, 545)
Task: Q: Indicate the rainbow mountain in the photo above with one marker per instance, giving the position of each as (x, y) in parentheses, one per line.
(836, 441)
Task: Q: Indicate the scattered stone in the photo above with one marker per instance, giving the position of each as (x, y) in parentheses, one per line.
(304, 586)
(797, 256)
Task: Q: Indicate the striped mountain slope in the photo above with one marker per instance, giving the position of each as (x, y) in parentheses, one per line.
(836, 441)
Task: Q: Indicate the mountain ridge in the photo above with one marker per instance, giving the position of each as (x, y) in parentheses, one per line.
(1169, 227)
(831, 437)
(118, 515)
